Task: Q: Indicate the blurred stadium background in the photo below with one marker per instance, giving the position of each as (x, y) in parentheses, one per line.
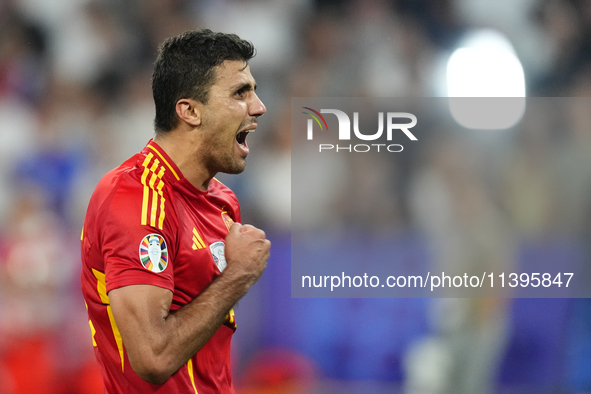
(75, 101)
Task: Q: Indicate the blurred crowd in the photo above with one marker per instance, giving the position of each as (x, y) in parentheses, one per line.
(75, 101)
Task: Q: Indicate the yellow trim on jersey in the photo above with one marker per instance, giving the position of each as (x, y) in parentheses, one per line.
(146, 191)
(157, 192)
(190, 369)
(162, 199)
(231, 317)
(165, 162)
(198, 242)
(101, 287)
(82, 234)
(154, 193)
(92, 330)
(219, 181)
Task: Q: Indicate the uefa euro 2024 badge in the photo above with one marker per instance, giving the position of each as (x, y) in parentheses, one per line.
(217, 252)
(153, 253)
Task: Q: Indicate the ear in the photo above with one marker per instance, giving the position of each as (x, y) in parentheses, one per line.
(189, 111)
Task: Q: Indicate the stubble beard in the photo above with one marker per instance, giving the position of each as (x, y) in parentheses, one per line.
(234, 168)
(225, 163)
(222, 159)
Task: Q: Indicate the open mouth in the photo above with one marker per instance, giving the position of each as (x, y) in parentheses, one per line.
(241, 137)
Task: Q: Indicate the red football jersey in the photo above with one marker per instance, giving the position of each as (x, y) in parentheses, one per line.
(146, 224)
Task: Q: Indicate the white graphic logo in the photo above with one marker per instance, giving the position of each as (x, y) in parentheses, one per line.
(345, 129)
(154, 253)
(217, 252)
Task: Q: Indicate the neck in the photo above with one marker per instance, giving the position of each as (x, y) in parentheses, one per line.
(182, 147)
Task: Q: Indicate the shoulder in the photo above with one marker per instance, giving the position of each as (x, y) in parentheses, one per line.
(135, 191)
(113, 181)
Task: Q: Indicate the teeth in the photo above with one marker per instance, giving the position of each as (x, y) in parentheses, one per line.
(241, 137)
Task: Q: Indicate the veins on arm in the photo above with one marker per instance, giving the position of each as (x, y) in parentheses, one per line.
(168, 340)
(158, 343)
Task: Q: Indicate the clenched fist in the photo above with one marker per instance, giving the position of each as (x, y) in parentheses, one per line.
(247, 251)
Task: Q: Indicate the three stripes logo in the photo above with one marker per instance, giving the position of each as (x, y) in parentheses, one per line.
(197, 241)
(152, 180)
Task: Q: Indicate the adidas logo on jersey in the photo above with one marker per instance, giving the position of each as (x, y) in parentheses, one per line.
(197, 241)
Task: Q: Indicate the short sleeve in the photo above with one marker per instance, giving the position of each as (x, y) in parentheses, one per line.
(137, 243)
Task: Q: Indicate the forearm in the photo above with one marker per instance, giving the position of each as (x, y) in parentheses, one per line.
(169, 340)
(189, 328)
(179, 336)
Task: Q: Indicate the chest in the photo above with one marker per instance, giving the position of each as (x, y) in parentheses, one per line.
(199, 257)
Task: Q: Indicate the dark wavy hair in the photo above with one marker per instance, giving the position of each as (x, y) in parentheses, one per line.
(185, 68)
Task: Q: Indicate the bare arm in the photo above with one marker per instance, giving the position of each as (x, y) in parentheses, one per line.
(168, 341)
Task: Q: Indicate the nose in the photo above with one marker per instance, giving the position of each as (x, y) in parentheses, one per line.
(257, 108)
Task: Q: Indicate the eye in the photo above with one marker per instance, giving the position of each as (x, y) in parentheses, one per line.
(240, 92)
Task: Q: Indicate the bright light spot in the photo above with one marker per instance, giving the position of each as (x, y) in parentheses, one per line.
(485, 65)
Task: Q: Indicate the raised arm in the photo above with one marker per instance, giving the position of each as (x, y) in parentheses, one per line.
(158, 342)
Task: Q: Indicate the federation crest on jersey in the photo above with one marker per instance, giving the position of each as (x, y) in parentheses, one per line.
(217, 252)
(154, 253)
(227, 220)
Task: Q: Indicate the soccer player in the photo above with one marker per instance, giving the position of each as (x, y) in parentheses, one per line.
(164, 256)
